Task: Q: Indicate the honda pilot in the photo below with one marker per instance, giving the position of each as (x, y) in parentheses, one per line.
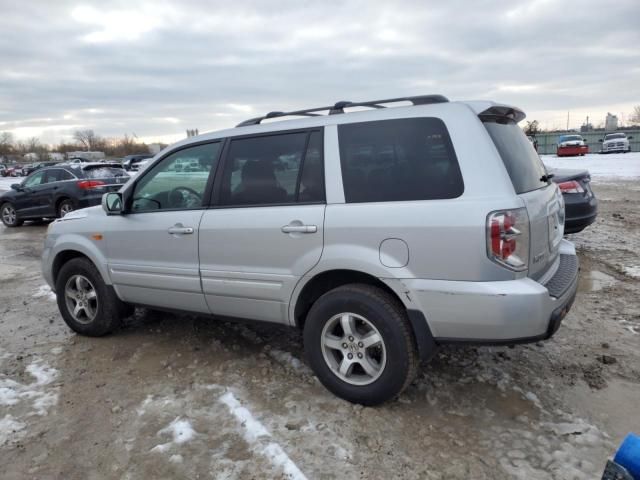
(381, 229)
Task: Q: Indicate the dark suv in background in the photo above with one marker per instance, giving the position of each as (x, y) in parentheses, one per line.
(55, 191)
(130, 162)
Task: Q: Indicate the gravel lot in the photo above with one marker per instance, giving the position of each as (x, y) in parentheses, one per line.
(186, 397)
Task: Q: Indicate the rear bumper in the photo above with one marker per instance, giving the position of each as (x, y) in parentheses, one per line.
(502, 312)
(580, 212)
(572, 150)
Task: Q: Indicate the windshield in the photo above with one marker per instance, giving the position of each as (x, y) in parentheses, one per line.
(520, 158)
(611, 136)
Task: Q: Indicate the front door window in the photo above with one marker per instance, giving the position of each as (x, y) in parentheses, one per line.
(178, 181)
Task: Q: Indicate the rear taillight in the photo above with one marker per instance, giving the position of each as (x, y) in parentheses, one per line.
(89, 184)
(571, 187)
(508, 238)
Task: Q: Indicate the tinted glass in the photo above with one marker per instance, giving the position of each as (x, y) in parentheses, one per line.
(170, 185)
(104, 172)
(520, 158)
(398, 160)
(57, 175)
(35, 179)
(312, 178)
(263, 170)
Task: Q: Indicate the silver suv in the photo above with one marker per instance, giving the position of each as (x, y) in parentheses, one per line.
(381, 233)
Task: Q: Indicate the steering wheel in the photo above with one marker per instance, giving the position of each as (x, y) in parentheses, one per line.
(184, 197)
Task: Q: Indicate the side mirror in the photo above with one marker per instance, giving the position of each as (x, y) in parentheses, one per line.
(112, 203)
(600, 140)
(16, 186)
(629, 138)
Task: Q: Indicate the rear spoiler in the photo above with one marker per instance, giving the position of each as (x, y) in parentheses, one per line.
(511, 113)
(90, 166)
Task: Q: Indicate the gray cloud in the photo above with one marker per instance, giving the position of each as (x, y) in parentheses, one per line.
(156, 68)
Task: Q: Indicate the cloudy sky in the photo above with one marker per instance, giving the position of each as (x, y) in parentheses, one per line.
(155, 68)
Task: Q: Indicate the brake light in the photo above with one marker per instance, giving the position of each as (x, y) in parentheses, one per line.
(571, 186)
(89, 184)
(508, 238)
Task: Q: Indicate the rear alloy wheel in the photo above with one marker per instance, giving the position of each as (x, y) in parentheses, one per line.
(9, 215)
(65, 207)
(359, 342)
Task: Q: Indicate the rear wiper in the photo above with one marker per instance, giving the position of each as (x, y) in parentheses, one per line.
(546, 177)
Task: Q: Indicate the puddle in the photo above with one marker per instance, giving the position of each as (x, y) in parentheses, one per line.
(594, 281)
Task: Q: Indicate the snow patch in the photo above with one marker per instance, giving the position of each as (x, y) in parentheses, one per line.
(180, 430)
(10, 428)
(253, 432)
(42, 373)
(288, 360)
(601, 167)
(45, 291)
(632, 271)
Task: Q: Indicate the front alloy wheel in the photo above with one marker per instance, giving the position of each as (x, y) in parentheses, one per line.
(81, 299)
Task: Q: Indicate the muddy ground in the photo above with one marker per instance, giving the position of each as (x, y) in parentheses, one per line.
(184, 397)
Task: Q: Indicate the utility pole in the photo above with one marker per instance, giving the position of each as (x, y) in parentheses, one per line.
(567, 120)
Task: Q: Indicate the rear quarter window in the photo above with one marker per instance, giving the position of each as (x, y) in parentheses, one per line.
(398, 160)
(518, 155)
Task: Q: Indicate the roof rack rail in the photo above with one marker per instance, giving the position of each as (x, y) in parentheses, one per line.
(339, 107)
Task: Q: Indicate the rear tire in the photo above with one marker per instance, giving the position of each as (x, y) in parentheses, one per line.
(9, 215)
(380, 358)
(87, 304)
(65, 207)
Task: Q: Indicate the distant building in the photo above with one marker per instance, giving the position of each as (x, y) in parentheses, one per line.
(86, 155)
(611, 123)
(31, 157)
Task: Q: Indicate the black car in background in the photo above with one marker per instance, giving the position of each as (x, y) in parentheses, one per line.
(580, 203)
(130, 162)
(55, 191)
(29, 169)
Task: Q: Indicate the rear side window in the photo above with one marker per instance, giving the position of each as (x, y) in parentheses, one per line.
(274, 170)
(520, 158)
(398, 160)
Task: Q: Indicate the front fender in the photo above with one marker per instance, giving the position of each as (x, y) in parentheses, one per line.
(74, 242)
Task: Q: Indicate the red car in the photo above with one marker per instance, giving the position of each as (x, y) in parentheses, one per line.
(571, 146)
(12, 171)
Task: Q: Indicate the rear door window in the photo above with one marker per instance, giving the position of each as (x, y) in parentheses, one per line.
(279, 169)
(520, 158)
(398, 160)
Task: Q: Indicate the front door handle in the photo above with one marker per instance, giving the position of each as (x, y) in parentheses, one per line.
(180, 230)
(299, 229)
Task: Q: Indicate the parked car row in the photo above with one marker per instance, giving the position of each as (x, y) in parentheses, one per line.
(574, 144)
(54, 191)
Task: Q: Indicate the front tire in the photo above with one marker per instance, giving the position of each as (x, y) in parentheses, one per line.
(88, 305)
(9, 215)
(359, 343)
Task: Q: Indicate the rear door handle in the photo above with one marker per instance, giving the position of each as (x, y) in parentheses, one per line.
(180, 230)
(299, 229)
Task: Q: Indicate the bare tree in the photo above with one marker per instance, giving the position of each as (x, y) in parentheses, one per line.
(635, 116)
(87, 139)
(532, 128)
(6, 143)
